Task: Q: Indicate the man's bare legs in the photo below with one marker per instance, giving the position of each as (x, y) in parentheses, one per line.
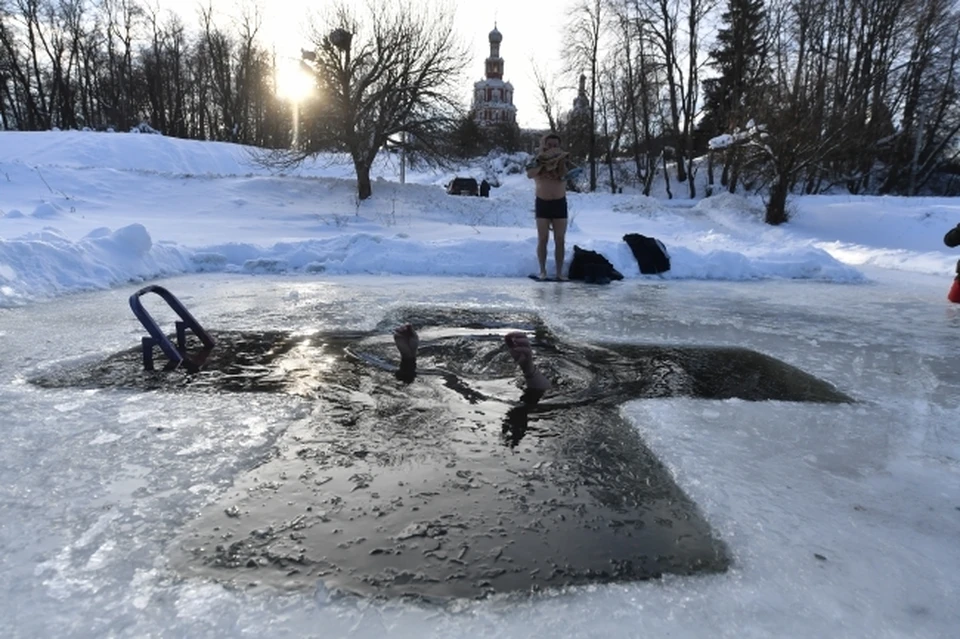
(559, 237)
(516, 422)
(536, 382)
(559, 226)
(543, 235)
(517, 342)
(407, 341)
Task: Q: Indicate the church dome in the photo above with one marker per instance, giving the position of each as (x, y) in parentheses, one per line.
(495, 36)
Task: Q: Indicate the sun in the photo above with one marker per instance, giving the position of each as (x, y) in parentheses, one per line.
(293, 82)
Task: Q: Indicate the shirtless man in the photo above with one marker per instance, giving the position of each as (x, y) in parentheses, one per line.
(548, 173)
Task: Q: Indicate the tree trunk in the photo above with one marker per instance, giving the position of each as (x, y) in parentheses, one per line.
(613, 182)
(4, 125)
(777, 205)
(733, 177)
(666, 176)
(364, 189)
(651, 172)
(709, 173)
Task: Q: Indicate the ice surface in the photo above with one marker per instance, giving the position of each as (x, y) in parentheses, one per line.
(842, 520)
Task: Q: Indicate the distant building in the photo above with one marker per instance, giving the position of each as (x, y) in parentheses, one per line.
(492, 97)
(578, 123)
(581, 103)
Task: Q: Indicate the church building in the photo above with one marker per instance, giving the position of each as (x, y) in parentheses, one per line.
(492, 97)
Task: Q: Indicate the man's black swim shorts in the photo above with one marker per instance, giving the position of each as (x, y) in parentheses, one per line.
(552, 209)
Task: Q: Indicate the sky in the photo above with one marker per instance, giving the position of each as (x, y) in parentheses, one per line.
(841, 520)
(531, 35)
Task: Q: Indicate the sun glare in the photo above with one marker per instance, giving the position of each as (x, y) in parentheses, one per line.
(293, 83)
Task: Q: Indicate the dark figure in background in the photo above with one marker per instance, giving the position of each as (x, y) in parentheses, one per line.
(484, 189)
(954, 294)
(952, 239)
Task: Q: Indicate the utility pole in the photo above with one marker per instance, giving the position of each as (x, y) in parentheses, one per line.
(403, 157)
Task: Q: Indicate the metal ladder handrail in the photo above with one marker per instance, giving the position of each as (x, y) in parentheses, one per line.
(157, 337)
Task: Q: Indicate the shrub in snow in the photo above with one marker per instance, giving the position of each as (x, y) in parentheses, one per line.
(642, 204)
(509, 163)
(497, 163)
(132, 239)
(47, 211)
(100, 231)
(726, 201)
(143, 127)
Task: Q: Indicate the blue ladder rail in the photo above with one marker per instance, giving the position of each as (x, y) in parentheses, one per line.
(176, 354)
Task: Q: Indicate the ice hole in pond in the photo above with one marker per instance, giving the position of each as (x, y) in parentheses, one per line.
(450, 486)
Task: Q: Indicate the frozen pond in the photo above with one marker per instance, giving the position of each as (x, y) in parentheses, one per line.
(839, 518)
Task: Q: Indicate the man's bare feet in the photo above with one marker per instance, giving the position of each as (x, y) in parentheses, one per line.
(519, 346)
(407, 341)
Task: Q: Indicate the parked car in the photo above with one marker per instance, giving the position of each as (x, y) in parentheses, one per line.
(463, 186)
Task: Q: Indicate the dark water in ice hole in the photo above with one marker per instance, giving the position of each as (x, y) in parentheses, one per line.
(450, 486)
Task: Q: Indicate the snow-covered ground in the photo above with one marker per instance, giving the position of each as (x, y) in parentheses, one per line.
(82, 211)
(842, 520)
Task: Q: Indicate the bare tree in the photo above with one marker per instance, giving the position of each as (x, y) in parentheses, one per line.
(547, 98)
(248, 69)
(613, 109)
(118, 88)
(8, 104)
(19, 35)
(792, 137)
(389, 76)
(929, 93)
(582, 56)
(17, 81)
(628, 50)
(867, 69)
(218, 47)
(663, 17)
(57, 29)
(697, 10)
(649, 77)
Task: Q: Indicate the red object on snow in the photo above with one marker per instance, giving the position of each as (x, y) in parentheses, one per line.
(954, 294)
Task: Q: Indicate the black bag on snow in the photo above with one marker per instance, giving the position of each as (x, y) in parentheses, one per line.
(650, 252)
(590, 265)
(952, 238)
